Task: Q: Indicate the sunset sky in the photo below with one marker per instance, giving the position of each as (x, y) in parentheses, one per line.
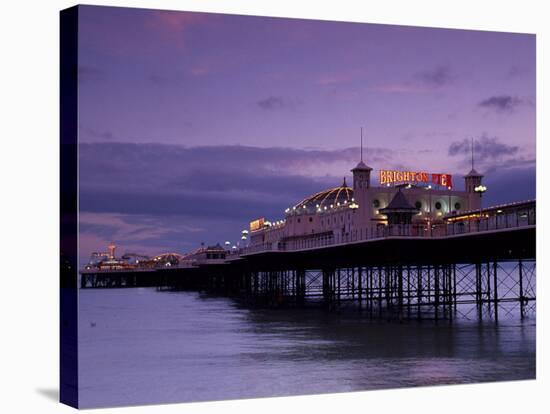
(192, 124)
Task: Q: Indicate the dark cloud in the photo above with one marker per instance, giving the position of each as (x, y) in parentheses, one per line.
(273, 103)
(485, 148)
(203, 181)
(150, 197)
(439, 76)
(502, 103)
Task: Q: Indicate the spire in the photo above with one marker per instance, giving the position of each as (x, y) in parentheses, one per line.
(473, 154)
(361, 144)
(473, 172)
(344, 184)
(362, 165)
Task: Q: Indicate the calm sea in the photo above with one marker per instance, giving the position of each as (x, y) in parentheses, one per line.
(140, 346)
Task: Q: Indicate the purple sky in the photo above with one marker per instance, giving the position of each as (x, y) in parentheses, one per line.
(191, 124)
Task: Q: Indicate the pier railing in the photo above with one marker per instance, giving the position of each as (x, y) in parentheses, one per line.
(423, 230)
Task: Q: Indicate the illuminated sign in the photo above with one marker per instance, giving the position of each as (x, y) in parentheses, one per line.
(388, 177)
(257, 224)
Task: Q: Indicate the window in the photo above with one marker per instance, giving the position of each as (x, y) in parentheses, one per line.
(438, 205)
(310, 219)
(298, 220)
(376, 203)
(457, 206)
(418, 205)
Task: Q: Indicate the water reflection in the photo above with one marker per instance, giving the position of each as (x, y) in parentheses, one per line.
(150, 347)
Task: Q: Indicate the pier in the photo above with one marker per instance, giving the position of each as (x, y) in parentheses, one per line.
(483, 269)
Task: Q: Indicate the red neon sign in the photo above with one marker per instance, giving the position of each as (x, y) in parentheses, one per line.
(392, 177)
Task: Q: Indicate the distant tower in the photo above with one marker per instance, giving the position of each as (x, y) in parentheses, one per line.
(111, 248)
(361, 185)
(471, 181)
(473, 178)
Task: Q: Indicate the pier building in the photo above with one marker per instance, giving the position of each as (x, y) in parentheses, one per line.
(419, 200)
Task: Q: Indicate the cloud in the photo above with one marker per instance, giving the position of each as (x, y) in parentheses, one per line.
(237, 181)
(421, 82)
(491, 155)
(485, 148)
(273, 103)
(501, 103)
(439, 76)
(150, 198)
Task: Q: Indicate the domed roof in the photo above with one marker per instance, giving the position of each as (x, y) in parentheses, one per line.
(332, 197)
